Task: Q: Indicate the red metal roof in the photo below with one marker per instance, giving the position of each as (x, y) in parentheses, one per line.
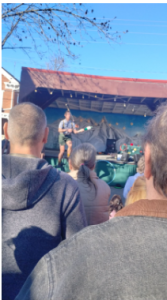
(96, 76)
(131, 87)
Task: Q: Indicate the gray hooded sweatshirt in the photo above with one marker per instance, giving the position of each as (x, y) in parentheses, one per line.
(40, 207)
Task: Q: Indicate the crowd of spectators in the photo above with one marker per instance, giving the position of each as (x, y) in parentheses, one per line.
(50, 250)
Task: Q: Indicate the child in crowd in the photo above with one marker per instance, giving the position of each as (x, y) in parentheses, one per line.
(115, 205)
(94, 192)
(137, 191)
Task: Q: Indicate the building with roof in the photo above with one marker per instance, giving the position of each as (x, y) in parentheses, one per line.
(92, 93)
(10, 93)
(118, 108)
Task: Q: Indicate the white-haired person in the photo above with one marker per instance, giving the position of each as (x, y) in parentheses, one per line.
(124, 258)
(95, 192)
(40, 205)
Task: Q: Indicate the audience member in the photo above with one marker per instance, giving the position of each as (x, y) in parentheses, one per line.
(131, 179)
(40, 205)
(124, 258)
(137, 191)
(95, 192)
(115, 205)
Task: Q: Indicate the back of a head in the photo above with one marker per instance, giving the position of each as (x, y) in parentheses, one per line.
(156, 137)
(26, 125)
(137, 191)
(115, 203)
(83, 158)
(141, 165)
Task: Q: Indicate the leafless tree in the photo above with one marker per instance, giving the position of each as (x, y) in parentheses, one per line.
(56, 63)
(25, 25)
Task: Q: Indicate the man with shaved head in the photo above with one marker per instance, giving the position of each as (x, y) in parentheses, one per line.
(41, 206)
(27, 129)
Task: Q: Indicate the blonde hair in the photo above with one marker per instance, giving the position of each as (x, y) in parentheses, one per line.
(137, 192)
(141, 165)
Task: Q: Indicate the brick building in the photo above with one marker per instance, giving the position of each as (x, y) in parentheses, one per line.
(10, 94)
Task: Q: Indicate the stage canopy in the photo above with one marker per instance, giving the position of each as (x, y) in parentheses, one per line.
(91, 93)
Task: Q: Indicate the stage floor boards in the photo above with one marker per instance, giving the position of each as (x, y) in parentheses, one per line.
(54, 153)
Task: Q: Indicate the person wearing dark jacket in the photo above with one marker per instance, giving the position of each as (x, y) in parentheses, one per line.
(124, 258)
(40, 206)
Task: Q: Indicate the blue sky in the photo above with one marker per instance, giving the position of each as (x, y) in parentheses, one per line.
(142, 52)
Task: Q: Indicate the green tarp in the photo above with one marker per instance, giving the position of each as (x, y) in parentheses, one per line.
(114, 174)
(53, 161)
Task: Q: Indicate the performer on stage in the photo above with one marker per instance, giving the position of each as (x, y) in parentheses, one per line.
(66, 127)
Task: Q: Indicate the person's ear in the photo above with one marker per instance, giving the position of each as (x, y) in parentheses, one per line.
(147, 157)
(5, 129)
(46, 135)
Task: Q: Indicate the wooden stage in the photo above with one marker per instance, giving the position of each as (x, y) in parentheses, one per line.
(108, 157)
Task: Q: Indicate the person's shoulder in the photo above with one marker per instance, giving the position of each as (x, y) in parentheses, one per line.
(103, 184)
(121, 240)
(137, 175)
(88, 233)
(130, 180)
(68, 179)
(90, 237)
(110, 231)
(62, 181)
(66, 176)
(101, 181)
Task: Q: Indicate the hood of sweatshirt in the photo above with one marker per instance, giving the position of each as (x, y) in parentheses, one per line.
(25, 180)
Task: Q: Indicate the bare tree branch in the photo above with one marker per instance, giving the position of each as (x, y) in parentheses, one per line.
(17, 47)
(51, 23)
(58, 10)
(12, 9)
(10, 33)
(56, 63)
